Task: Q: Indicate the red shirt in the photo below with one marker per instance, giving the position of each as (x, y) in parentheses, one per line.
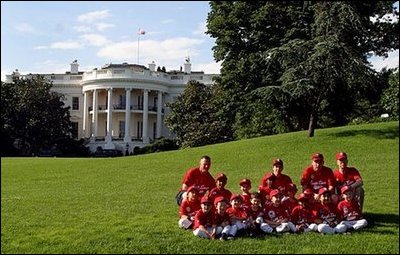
(301, 215)
(349, 210)
(237, 213)
(205, 219)
(327, 212)
(290, 204)
(189, 208)
(221, 218)
(202, 181)
(317, 179)
(254, 214)
(281, 182)
(216, 192)
(349, 176)
(274, 213)
(246, 198)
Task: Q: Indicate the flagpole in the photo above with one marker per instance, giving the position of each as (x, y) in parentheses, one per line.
(138, 48)
(140, 32)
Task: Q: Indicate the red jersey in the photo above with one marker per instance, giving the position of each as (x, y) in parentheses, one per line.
(290, 204)
(317, 179)
(246, 198)
(349, 210)
(327, 212)
(301, 215)
(203, 181)
(264, 192)
(254, 214)
(216, 192)
(349, 176)
(205, 219)
(189, 208)
(281, 182)
(236, 214)
(276, 213)
(221, 218)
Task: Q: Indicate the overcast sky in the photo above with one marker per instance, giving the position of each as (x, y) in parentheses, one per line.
(45, 37)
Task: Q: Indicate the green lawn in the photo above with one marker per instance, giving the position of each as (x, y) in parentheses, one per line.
(127, 205)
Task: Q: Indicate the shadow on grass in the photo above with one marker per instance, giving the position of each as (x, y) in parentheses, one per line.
(382, 220)
(387, 133)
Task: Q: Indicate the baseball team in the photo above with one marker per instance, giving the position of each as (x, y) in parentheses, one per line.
(330, 201)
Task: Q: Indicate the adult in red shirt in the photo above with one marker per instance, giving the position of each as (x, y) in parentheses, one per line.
(198, 177)
(349, 176)
(317, 176)
(279, 180)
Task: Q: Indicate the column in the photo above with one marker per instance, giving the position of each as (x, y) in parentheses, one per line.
(127, 137)
(145, 115)
(108, 139)
(85, 114)
(159, 112)
(94, 116)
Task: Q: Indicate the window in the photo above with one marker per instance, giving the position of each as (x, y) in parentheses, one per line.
(74, 130)
(121, 129)
(155, 103)
(139, 129)
(140, 102)
(75, 103)
(154, 130)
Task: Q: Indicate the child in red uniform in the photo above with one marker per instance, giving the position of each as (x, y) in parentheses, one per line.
(222, 218)
(189, 208)
(245, 187)
(204, 220)
(276, 216)
(303, 215)
(220, 189)
(350, 211)
(237, 215)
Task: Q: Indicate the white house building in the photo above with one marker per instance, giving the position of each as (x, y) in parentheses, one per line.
(121, 106)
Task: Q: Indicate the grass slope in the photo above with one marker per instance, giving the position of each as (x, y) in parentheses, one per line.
(126, 205)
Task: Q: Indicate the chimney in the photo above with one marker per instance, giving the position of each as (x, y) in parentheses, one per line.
(187, 65)
(74, 67)
(152, 66)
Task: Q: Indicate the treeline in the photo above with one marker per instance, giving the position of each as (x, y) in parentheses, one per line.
(35, 120)
(290, 66)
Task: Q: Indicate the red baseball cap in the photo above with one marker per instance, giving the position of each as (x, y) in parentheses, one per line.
(303, 197)
(236, 196)
(206, 200)
(245, 182)
(308, 192)
(274, 192)
(192, 188)
(322, 190)
(317, 156)
(277, 161)
(221, 177)
(219, 199)
(345, 188)
(341, 156)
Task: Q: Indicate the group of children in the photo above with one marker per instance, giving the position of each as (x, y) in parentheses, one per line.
(219, 214)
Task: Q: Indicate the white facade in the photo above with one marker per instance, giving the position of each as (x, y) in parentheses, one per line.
(137, 96)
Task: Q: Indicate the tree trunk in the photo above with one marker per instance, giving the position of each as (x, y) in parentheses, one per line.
(311, 126)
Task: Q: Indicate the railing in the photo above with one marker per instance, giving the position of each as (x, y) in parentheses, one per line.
(122, 107)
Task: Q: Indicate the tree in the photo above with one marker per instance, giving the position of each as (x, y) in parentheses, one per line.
(306, 59)
(32, 115)
(193, 119)
(390, 97)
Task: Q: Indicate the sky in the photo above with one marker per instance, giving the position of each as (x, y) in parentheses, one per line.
(45, 37)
